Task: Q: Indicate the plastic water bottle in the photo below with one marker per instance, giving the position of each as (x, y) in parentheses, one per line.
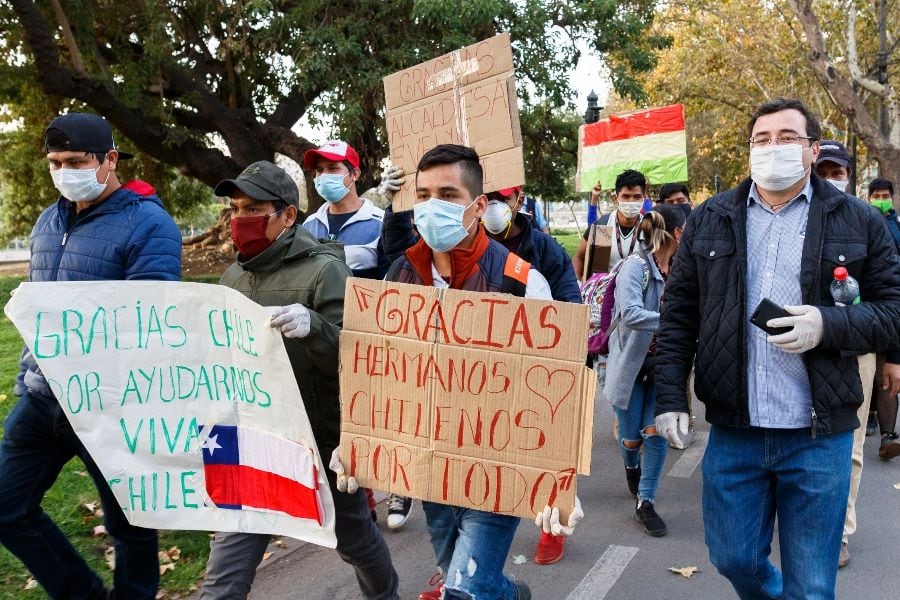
(844, 288)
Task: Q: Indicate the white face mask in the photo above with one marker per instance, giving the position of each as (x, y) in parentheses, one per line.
(78, 185)
(497, 217)
(841, 185)
(630, 210)
(776, 168)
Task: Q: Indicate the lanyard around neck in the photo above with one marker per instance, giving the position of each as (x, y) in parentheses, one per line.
(633, 237)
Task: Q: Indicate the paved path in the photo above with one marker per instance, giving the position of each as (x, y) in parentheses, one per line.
(610, 557)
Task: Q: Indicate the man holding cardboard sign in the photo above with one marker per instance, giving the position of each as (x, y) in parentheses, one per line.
(614, 236)
(471, 546)
(281, 264)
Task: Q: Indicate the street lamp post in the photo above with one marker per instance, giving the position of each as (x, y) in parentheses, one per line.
(592, 114)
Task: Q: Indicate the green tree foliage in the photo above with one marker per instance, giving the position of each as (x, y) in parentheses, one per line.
(207, 87)
(551, 151)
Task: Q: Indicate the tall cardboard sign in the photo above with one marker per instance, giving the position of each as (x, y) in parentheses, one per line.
(472, 399)
(186, 400)
(599, 249)
(466, 97)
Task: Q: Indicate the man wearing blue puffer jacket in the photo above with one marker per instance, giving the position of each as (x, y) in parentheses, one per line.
(99, 229)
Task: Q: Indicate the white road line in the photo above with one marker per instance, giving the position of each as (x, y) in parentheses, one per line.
(604, 574)
(685, 466)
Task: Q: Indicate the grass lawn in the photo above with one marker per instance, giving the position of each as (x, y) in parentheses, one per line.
(568, 240)
(66, 499)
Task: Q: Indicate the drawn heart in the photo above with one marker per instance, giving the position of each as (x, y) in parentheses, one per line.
(540, 380)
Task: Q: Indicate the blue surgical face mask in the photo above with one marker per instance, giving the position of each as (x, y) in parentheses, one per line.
(331, 187)
(440, 223)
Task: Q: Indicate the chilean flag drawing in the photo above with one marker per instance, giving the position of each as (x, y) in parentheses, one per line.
(248, 469)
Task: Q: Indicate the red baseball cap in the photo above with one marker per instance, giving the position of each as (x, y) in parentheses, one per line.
(508, 191)
(335, 150)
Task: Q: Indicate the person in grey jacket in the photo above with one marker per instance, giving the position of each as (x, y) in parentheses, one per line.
(632, 345)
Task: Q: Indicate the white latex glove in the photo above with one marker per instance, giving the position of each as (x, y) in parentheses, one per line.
(344, 483)
(391, 180)
(806, 333)
(292, 320)
(548, 520)
(673, 426)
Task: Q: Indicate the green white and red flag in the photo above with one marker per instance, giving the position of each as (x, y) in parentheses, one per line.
(651, 141)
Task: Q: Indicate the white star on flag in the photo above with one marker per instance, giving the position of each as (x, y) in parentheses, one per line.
(211, 444)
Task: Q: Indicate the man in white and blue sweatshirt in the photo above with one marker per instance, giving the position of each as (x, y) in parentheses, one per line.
(344, 216)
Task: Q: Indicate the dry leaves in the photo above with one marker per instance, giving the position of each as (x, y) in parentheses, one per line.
(99, 531)
(279, 543)
(31, 583)
(167, 559)
(685, 571)
(267, 555)
(81, 473)
(92, 511)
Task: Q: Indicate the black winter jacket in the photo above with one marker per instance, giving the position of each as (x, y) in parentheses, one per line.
(704, 318)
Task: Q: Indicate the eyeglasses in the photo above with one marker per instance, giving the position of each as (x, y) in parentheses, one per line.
(786, 138)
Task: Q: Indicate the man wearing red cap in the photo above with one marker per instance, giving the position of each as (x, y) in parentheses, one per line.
(344, 216)
(355, 222)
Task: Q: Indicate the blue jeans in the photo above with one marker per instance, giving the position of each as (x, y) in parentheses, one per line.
(750, 476)
(471, 547)
(37, 442)
(633, 424)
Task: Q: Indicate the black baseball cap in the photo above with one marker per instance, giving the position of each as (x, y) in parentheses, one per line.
(264, 182)
(833, 151)
(84, 132)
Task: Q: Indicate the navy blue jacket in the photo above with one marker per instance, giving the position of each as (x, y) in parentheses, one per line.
(550, 259)
(127, 236)
(704, 315)
(893, 223)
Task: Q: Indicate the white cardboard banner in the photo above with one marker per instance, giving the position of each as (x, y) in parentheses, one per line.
(143, 370)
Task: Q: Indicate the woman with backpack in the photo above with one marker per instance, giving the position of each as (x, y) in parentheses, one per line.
(638, 295)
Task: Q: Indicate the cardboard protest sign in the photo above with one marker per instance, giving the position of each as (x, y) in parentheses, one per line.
(472, 399)
(185, 399)
(599, 248)
(652, 141)
(466, 97)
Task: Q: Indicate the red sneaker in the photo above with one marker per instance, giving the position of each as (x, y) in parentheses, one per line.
(435, 594)
(550, 549)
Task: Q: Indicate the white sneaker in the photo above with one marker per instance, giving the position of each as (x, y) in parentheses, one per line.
(398, 511)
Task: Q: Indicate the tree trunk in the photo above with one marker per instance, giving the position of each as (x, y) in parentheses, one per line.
(846, 98)
(217, 237)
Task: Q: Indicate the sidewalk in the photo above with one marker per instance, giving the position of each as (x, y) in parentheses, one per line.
(13, 255)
